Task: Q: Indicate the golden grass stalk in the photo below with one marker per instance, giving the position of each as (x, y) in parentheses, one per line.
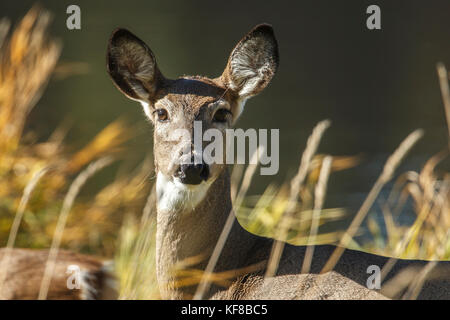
(296, 183)
(425, 202)
(445, 91)
(399, 282)
(62, 219)
(140, 251)
(248, 176)
(106, 142)
(4, 264)
(135, 259)
(320, 192)
(236, 175)
(224, 278)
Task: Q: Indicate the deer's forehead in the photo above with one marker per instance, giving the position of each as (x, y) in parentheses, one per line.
(188, 102)
(191, 94)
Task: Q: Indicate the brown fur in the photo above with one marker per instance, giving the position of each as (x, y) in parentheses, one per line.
(26, 269)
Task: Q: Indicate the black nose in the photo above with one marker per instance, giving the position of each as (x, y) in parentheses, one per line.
(193, 173)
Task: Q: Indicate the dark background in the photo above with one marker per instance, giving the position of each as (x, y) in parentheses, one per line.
(375, 86)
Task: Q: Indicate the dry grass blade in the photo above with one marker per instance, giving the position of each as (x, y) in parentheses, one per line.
(142, 248)
(399, 282)
(67, 205)
(426, 202)
(224, 278)
(204, 283)
(308, 154)
(445, 91)
(248, 176)
(414, 288)
(391, 165)
(150, 206)
(109, 140)
(296, 183)
(135, 259)
(320, 192)
(236, 176)
(4, 263)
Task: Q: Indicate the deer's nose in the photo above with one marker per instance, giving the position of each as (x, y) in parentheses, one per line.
(193, 173)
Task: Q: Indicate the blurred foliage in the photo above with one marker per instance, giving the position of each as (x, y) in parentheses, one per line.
(27, 58)
(135, 259)
(429, 236)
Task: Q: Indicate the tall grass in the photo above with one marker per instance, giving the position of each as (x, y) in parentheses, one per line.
(28, 59)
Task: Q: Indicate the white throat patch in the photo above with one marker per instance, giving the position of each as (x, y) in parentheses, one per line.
(174, 196)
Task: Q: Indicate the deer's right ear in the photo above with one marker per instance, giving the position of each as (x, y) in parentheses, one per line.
(132, 66)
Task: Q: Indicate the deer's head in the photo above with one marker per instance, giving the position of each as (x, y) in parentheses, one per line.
(176, 104)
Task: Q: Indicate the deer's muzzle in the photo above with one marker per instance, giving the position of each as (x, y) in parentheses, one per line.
(193, 173)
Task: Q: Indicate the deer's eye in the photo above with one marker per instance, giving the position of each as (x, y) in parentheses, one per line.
(162, 114)
(222, 115)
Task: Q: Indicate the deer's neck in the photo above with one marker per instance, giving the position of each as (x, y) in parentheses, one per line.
(186, 239)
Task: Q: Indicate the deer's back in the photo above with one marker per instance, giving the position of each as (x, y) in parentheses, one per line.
(290, 284)
(328, 286)
(348, 279)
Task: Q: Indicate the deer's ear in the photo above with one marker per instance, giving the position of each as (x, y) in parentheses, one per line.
(132, 66)
(253, 62)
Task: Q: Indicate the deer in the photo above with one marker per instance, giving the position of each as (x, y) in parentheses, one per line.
(193, 197)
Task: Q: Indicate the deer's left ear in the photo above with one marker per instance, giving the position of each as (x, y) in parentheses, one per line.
(252, 63)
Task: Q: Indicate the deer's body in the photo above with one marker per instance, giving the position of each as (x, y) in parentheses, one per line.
(26, 268)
